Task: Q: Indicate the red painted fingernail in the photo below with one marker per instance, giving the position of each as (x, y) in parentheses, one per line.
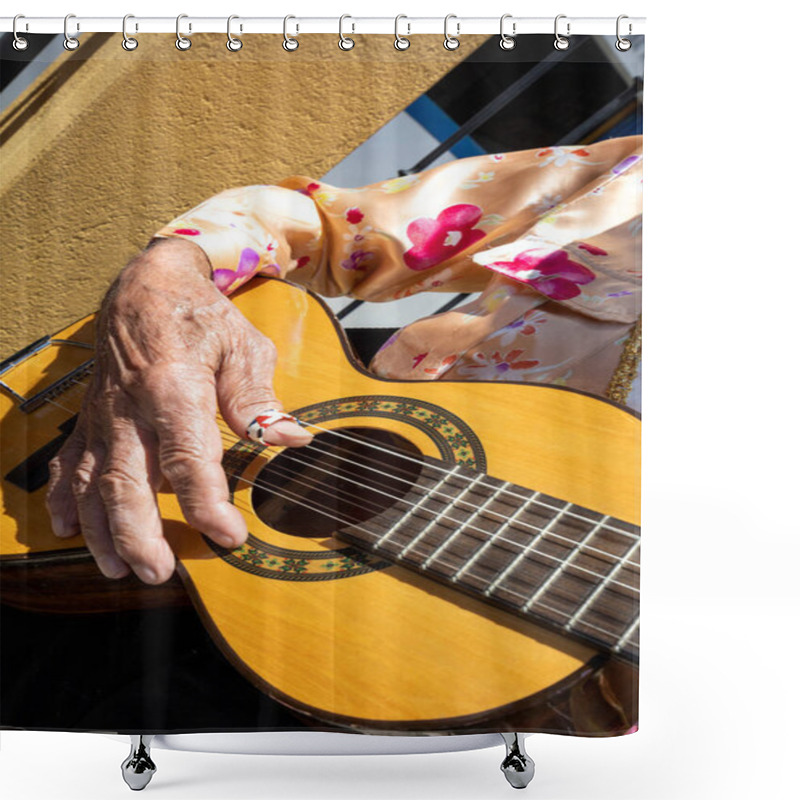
(258, 427)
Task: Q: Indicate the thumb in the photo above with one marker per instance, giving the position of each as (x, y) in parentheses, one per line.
(247, 400)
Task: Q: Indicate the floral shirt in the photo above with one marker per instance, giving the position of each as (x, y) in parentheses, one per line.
(550, 237)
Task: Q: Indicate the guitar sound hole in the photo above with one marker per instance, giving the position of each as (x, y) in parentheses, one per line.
(342, 477)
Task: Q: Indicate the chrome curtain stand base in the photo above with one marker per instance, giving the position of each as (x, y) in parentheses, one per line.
(517, 766)
(138, 768)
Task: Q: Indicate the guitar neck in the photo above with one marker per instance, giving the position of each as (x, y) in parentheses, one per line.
(567, 567)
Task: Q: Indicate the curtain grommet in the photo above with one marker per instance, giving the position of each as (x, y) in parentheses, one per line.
(233, 44)
(345, 42)
(181, 42)
(128, 42)
(290, 43)
(400, 42)
(507, 42)
(70, 42)
(623, 45)
(20, 43)
(561, 42)
(451, 42)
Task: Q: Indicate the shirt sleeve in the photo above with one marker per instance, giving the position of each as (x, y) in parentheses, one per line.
(561, 220)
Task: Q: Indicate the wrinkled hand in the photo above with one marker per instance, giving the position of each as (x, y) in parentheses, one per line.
(170, 347)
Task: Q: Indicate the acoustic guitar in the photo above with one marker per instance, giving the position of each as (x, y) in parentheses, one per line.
(440, 556)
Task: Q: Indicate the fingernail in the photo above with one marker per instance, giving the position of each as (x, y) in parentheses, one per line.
(64, 532)
(258, 427)
(148, 575)
(112, 567)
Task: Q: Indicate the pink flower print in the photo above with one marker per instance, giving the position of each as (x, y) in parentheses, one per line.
(418, 359)
(354, 215)
(593, 249)
(554, 275)
(226, 280)
(357, 259)
(436, 240)
(500, 364)
(309, 189)
(498, 156)
(187, 231)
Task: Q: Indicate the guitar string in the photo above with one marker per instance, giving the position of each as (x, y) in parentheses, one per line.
(251, 512)
(575, 545)
(296, 452)
(231, 438)
(491, 536)
(541, 603)
(400, 454)
(378, 510)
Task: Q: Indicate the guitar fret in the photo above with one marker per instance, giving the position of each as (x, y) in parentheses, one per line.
(627, 636)
(460, 529)
(491, 540)
(434, 521)
(529, 548)
(602, 585)
(564, 564)
(536, 555)
(405, 517)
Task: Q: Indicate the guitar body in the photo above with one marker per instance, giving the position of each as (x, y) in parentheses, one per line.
(332, 630)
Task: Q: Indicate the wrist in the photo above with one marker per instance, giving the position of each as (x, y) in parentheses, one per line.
(170, 274)
(172, 258)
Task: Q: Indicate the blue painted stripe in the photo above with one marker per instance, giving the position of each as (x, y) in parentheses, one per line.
(632, 124)
(428, 114)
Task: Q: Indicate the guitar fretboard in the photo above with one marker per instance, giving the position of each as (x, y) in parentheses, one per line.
(551, 561)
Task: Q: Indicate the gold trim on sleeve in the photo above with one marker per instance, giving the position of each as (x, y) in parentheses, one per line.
(619, 386)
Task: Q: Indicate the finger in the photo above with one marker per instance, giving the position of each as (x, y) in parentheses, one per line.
(245, 394)
(60, 501)
(190, 454)
(92, 514)
(128, 486)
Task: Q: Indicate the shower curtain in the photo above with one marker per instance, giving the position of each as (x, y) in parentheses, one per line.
(320, 390)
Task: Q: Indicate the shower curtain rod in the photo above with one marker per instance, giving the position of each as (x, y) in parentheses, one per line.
(457, 26)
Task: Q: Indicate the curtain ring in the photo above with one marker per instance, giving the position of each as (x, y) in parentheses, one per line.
(345, 42)
(70, 42)
(128, 42)
(289, 42)
(20, 42)
(233, 44)
(451, 42)
(507, 42)
(561, 42)
(623, 44)
(400, 42)
(182, 43)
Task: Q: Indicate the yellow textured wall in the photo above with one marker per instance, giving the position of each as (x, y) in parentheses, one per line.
(108, 145)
